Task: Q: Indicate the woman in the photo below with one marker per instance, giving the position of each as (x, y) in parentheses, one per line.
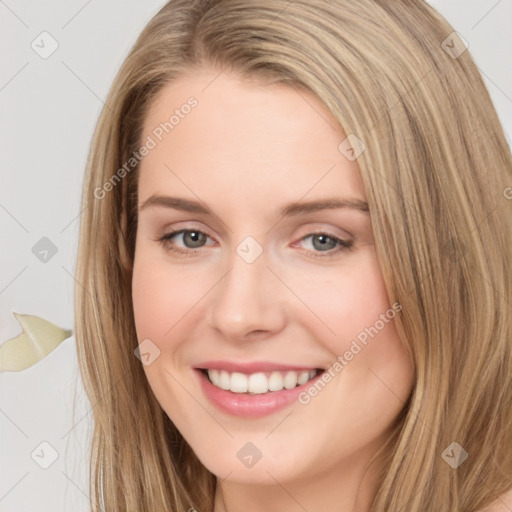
(297, 219)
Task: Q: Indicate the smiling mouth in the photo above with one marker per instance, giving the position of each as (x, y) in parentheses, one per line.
(260, 382)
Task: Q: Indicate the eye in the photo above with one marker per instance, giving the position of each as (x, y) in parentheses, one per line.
(328, 244)
(192, 238)
(324, 244)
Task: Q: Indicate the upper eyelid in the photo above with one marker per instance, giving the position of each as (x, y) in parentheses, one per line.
(316, 228)
(176, 231)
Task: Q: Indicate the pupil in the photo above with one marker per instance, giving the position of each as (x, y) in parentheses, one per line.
(323, 242)
(194, 235)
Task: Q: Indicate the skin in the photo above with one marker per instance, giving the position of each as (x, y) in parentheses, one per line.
(245, 151)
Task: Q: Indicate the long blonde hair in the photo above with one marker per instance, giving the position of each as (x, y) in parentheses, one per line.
(437, 173)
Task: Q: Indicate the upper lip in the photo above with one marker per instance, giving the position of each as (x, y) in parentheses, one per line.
(252, 367)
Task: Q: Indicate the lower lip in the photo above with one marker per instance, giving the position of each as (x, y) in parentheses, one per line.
(251, 406)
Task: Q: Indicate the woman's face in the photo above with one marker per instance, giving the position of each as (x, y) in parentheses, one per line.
(260, 278)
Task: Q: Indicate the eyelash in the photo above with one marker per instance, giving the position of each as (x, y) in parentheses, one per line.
(343, 245)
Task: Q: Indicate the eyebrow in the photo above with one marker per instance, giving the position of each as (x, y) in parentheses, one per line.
(290, 210)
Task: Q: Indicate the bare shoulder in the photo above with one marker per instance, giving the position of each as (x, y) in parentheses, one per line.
(502, 504)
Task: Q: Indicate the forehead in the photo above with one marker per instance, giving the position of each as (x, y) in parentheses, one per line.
(243, 133)
(225, 103)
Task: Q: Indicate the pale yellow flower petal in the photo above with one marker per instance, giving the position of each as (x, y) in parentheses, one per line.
(38, 339)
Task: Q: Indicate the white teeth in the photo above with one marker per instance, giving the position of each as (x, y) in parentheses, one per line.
(259, 383)
(224, 380)
(238, 383)
(290, 380)
(275, 382)
(303, 378)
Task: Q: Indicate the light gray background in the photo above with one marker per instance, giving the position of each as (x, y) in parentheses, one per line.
(49, 109)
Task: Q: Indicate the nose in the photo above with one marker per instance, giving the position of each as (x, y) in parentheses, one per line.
(249, 301)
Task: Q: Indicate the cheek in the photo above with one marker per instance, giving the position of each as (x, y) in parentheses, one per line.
(168, 302)
(162, 299)
(367, 342)
(347, 303)
(158, 295)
